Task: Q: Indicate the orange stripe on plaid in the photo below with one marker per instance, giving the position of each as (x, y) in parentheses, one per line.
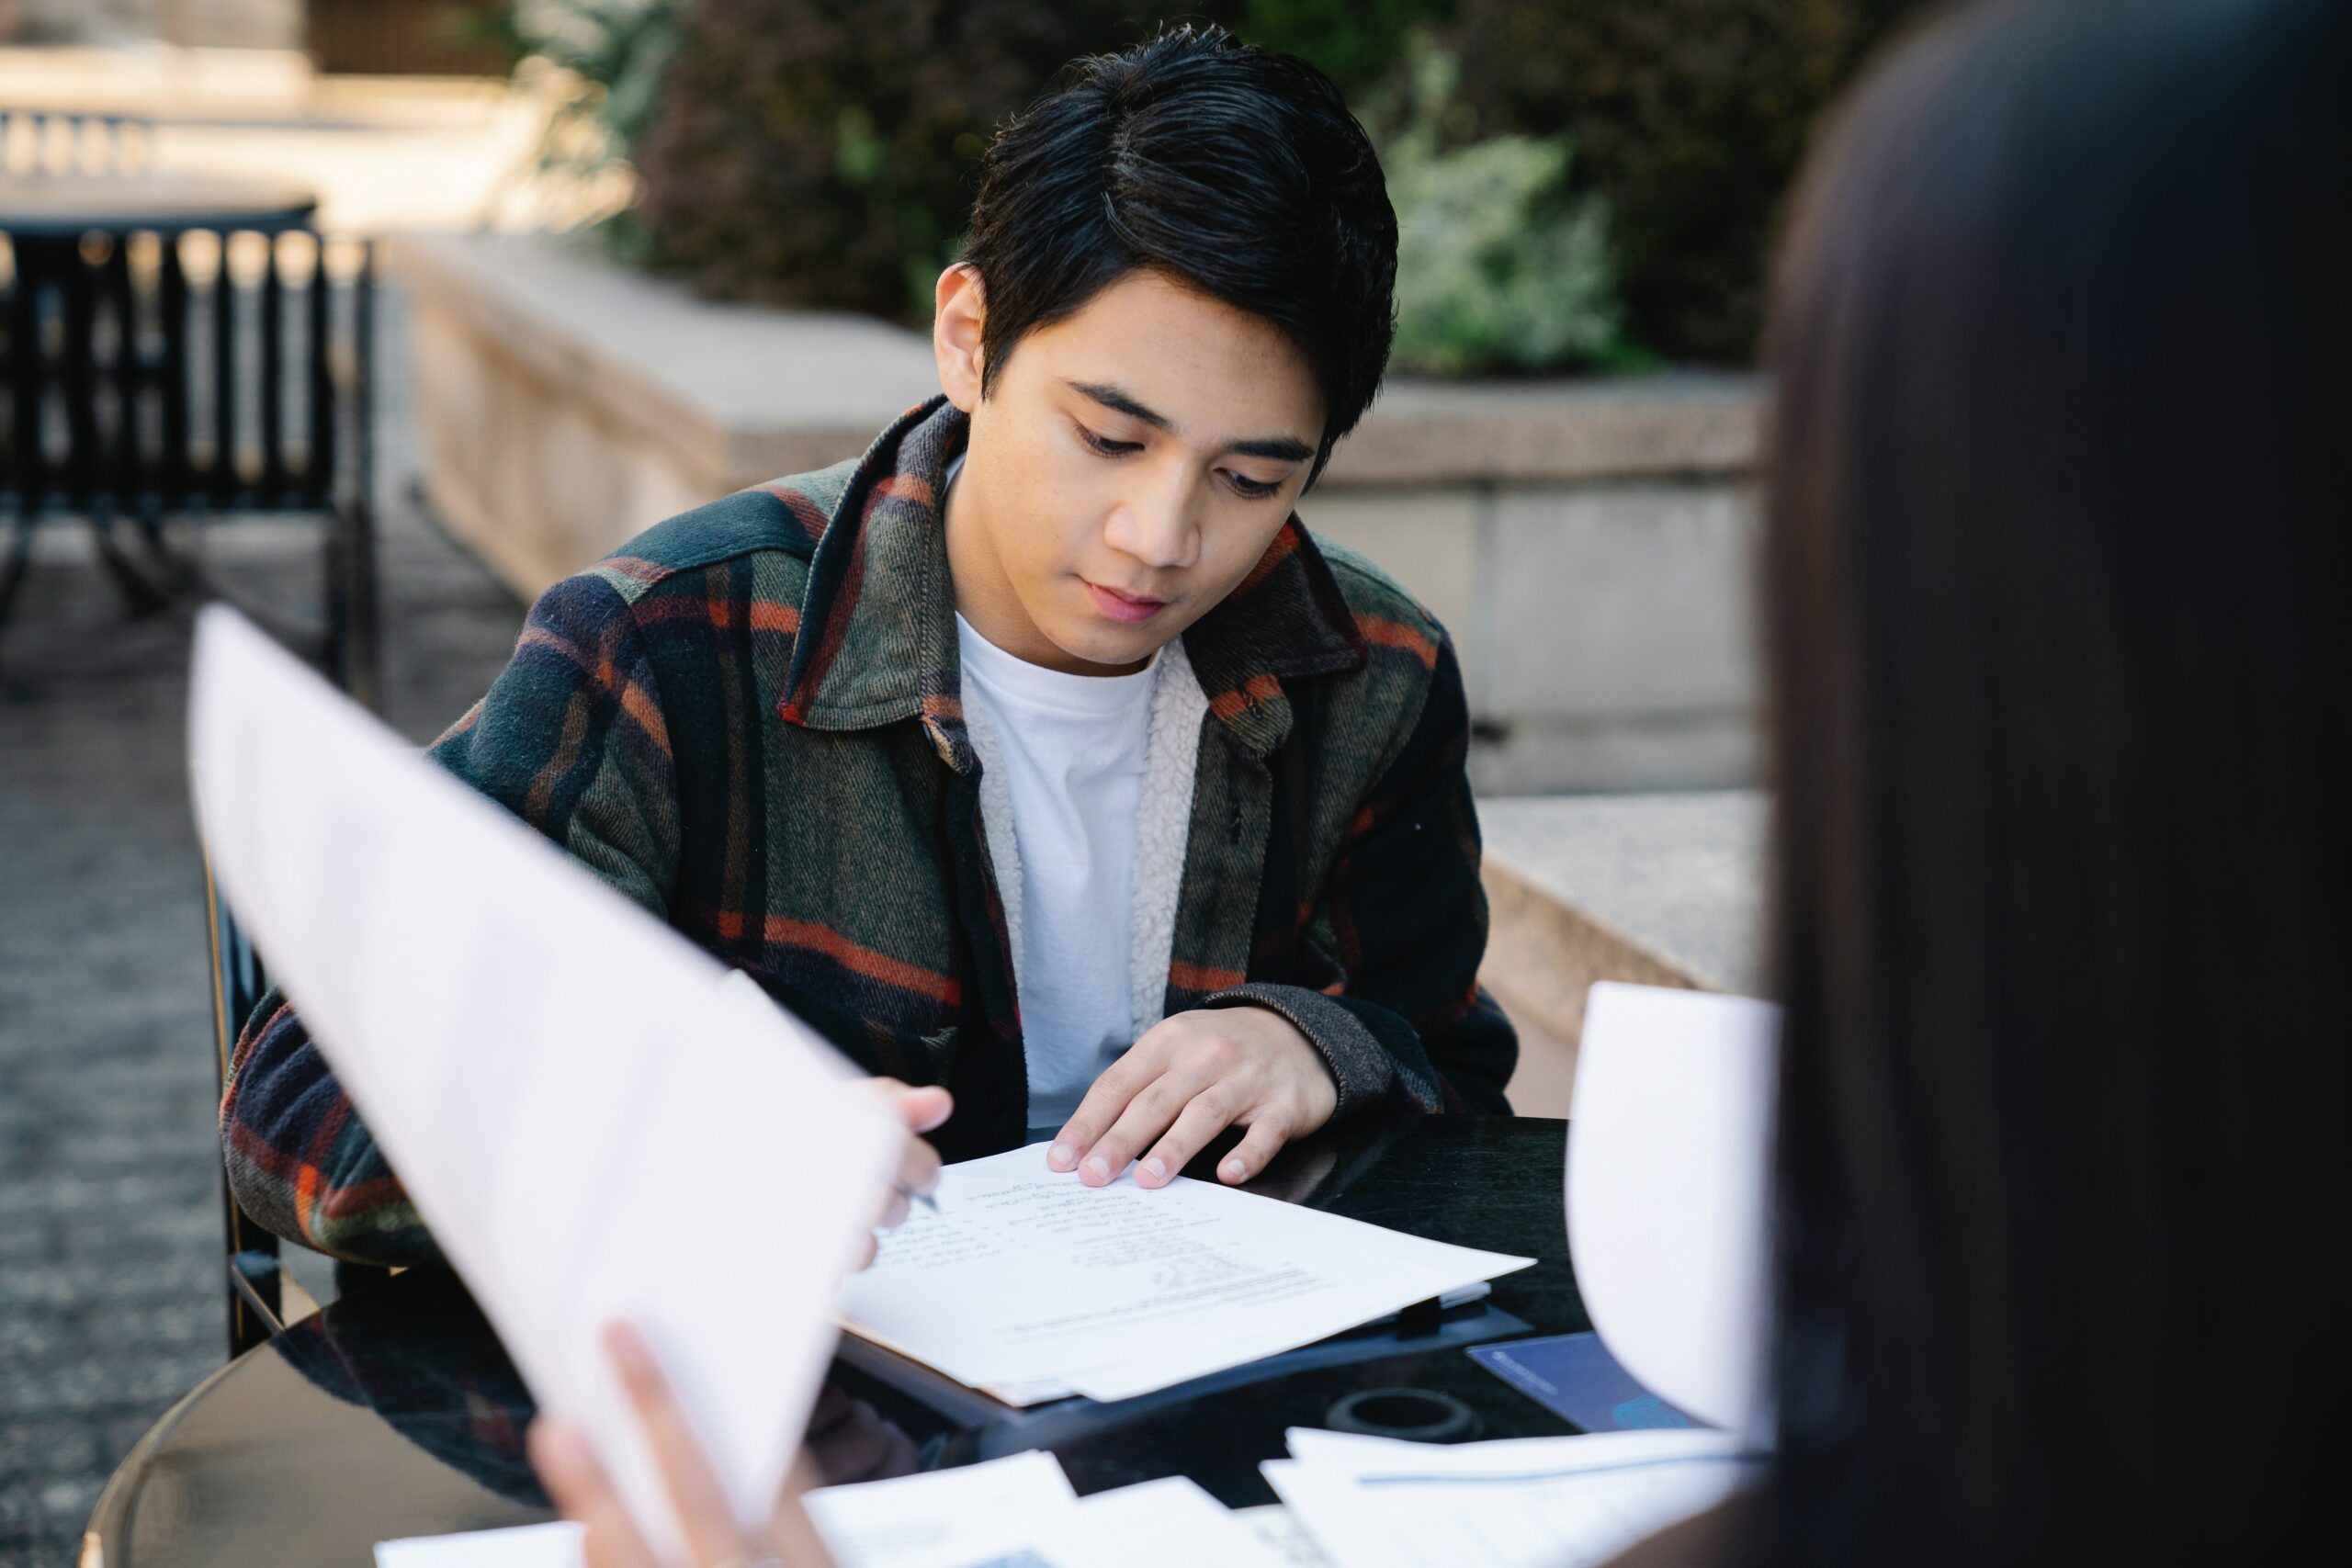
(1259, 689)
(805, 512)
(783, 932)
(634, 699)
(767, 616)
(1201, 976)
(913, 488)
(1285, 545)
(637, 566)
(1395, 633)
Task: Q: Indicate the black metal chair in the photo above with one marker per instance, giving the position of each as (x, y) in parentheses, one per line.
(62, 142)
(257, 1277)
(159, 375)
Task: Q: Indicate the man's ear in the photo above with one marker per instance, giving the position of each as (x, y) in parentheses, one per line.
(959, 311)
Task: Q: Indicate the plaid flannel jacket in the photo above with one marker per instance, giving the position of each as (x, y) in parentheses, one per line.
(748, 722)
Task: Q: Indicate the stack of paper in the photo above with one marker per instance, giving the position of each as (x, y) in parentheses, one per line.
(560, 1081)
(1017, 1512)
(1031, 1286)
(1520, 1503)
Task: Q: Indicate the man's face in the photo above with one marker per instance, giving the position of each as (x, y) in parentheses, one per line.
(1128, 467)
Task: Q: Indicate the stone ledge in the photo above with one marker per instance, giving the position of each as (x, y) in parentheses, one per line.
(734, 393)
(716, 381)
(1660, 889)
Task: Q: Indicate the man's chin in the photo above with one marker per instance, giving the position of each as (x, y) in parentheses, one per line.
(1110, 654)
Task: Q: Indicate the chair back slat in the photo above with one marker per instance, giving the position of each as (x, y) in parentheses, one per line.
(175, 472)
(318, 463)
(223, 471)
(272, 307)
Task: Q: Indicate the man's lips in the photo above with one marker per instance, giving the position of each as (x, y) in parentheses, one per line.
(1132, 608)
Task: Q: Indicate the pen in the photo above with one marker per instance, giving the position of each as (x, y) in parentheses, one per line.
(911, 1196)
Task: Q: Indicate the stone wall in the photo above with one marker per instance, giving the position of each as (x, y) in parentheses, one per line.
(1585, 542)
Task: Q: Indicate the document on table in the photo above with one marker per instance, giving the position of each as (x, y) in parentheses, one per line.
(944, 1519)
(1016, 1512)
(1030, 1285)
(1518, 1503)
(569, 1094)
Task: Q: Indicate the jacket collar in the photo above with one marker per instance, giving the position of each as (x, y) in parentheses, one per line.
(877, 627)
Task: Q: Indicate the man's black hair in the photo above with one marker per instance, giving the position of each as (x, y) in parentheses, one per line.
(1230, 169)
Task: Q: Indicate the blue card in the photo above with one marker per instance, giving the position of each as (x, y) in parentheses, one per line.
(1573, 1376)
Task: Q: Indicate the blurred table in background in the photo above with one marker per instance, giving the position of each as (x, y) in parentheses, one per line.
(61, 208)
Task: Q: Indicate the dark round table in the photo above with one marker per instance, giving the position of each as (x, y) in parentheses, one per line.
(395, 1413)
(67, 206)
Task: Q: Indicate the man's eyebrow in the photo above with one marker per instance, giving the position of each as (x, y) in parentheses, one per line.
(1279, 448)
(1119, 402)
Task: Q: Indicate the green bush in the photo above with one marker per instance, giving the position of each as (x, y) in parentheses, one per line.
(1501, 266)
(1690, 117)
(1357, 43)
(827, 152)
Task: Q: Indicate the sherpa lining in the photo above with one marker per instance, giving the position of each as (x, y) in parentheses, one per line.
(1163, 826)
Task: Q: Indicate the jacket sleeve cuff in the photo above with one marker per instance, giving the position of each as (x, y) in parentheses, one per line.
(1359, 1064)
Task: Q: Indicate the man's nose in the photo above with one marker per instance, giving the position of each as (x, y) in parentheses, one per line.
(1156, 522)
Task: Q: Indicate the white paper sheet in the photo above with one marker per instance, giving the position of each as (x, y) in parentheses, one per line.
(1668, 1191)
(1030, 1285)
(581, 1114)
(1520, 1502)
(945, 1518)
(524, 1546)
(1015, 1512)
(1154, 1524)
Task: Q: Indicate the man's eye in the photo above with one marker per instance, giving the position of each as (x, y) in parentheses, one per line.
(1109, 448)
(1248, 488)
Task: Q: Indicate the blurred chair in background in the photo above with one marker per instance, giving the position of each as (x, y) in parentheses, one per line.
(182, 351)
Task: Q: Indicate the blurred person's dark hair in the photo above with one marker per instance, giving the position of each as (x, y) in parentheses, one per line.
(1230, 169)
(2062, 733)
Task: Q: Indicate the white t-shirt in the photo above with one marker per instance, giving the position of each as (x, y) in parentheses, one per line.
(1071, 751)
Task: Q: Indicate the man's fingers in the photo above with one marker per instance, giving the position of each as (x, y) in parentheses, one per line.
(709, 1519)
(1259, 1145)
(894, 1213)
(583, 1493)
(1148, 1115)
(1104, 1102)
(1202, 1119)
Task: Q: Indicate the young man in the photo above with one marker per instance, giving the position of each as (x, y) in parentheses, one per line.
(1039, 753)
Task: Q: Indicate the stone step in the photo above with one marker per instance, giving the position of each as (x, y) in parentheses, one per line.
(1663, 890)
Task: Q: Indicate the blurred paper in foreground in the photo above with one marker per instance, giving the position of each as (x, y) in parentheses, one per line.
(583, 1117)
(1668, 1193)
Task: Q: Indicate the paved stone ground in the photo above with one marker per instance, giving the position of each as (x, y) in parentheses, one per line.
(111, 1286)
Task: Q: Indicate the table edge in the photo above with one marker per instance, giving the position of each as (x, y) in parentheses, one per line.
(110, 1515)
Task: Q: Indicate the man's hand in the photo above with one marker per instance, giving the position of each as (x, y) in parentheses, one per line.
(919, 1111)
(1190, 1079)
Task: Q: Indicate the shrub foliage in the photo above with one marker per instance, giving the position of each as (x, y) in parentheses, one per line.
(827, 152)
(1689, 118)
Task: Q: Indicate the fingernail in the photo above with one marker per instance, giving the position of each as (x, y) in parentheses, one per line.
(1157, 1166)
(1058, 1156)
(1098, 1166)
(1233, 1167)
